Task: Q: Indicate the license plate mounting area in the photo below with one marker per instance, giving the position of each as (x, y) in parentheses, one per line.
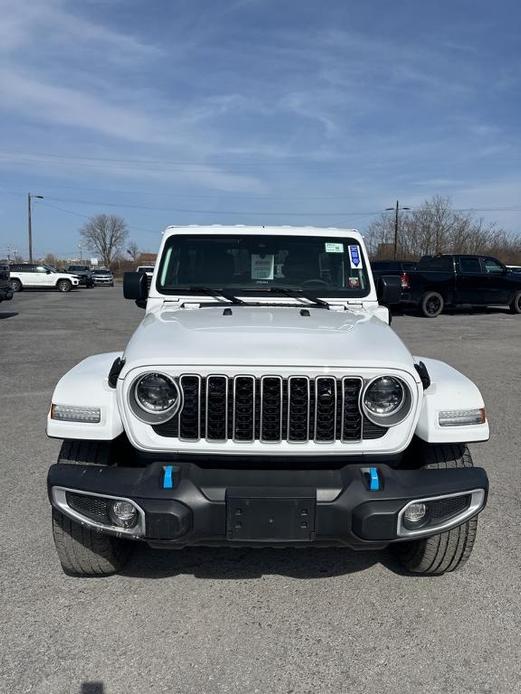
(256, 514)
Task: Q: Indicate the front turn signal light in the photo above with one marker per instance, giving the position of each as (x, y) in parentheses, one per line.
(461, 418)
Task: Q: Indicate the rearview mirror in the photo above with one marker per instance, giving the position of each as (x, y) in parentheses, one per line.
(389, 290)
(135, 286)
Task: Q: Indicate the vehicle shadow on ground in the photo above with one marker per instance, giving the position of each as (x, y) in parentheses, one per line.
(7, 314)
(463, 311)
(244, 563)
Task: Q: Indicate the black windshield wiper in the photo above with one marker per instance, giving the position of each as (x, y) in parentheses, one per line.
(216, 293)
(298, 294)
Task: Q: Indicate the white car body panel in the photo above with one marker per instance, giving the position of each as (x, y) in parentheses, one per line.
(267, 336)
(449, 390)
(179, 336)
(86, 385)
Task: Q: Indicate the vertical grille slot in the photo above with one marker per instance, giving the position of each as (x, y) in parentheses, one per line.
(217, 408)
(244, 408)
(189, 417)
(351, 415)
(298, 408)
(325, 409)
(271, 409)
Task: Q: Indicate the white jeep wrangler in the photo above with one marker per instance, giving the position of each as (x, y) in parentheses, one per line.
(265, 401)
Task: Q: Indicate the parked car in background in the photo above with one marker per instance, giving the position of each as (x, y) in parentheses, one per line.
(83, 273)
(6, 293)
(393, 267)
(32, 276)
(103, 277)
(461, 280)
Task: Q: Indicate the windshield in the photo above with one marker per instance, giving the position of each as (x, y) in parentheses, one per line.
(252, 264)
(102, 272)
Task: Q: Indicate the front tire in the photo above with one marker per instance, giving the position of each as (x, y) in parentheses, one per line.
(431, 304)
(84, 551)
(447, 551)
(64, 285)
(515, 304)
(16, 285)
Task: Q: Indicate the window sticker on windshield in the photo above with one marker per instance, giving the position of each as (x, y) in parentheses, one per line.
(262, 266)
(355, 258)
(334, 247)
(353, 282)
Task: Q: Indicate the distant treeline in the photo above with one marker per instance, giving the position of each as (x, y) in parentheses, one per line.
(435, 227)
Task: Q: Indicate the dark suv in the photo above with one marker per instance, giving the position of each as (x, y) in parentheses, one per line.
(83, 273)
(6, 292)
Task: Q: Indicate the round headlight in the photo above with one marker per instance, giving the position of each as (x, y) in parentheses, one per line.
(386, 400)
(384, 396)
(155, 398)
(156, 393)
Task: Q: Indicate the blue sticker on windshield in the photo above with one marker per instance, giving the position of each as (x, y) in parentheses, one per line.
(355, 258)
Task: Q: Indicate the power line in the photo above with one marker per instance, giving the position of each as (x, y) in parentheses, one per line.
(85, 216)
(231, 212)
(290, 160)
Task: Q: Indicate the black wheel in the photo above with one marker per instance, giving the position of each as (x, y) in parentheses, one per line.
(64, 285)
(84, 551)
(449, 550)
(431, 304)
(16, 285)
(515, 305)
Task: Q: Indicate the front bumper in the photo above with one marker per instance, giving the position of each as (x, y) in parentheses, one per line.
(268, 507)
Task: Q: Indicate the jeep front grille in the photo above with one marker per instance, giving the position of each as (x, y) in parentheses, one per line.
(270, 409)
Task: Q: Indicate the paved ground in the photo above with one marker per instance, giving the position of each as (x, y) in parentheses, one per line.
(249, 621)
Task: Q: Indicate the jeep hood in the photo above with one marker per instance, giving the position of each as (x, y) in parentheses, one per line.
(265, 336)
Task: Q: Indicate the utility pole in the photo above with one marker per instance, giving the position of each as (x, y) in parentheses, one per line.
(396, 209)
(29, 223)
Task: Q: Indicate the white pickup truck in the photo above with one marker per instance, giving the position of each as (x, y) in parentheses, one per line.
(33, 276)
(264, 400)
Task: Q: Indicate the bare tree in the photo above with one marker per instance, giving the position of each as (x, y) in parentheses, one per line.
(435, 227)
(133, 251)
(106, 235)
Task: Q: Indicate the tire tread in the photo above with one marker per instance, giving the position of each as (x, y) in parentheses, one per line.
(449, 550)
(84, 551)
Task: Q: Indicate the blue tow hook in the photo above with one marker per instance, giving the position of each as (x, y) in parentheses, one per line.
(374, 480)
(168, 477)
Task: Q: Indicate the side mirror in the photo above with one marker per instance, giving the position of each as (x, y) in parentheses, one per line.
(135, 286)
(389, 290)
(47, 272)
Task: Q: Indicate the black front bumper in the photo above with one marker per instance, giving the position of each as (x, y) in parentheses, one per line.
(267, 507)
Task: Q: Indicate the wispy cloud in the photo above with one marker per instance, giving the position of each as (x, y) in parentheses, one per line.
(354, 102)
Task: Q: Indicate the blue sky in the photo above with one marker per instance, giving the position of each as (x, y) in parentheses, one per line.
(254, 111)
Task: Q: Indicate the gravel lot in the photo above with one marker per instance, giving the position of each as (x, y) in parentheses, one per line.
(243, 620)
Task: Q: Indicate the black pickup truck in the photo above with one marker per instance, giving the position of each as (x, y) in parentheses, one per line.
(460, 280)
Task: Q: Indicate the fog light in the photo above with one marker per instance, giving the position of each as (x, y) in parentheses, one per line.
(123, 513)
(414, 515)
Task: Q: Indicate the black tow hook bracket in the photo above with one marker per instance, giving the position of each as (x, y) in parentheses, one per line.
(115, 370)
(423, 374)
